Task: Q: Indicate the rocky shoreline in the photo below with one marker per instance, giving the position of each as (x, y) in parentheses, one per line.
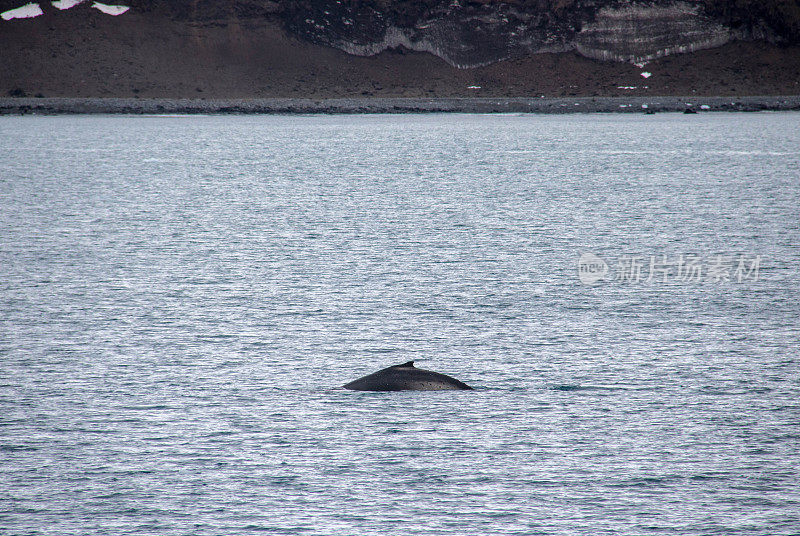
(378, 105)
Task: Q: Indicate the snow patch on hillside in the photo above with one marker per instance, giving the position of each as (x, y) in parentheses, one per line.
(65, 4)
(110, 10)
(27, 11)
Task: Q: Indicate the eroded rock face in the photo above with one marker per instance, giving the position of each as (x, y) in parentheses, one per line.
(639, 33)
(475, 34)
(463, 35)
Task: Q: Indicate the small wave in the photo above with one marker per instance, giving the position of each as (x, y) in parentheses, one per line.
(16, 448)
(566, 387)
(710, 476)
(645, 481)
(602, 387)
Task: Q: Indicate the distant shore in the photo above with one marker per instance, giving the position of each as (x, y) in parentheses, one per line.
(254, 65)
(54, 106)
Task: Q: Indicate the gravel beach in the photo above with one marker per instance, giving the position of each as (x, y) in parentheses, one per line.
(49, 106)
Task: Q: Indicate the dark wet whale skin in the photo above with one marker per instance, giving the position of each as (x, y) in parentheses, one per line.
(406, 377)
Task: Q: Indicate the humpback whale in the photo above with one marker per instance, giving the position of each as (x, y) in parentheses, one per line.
(406, 377)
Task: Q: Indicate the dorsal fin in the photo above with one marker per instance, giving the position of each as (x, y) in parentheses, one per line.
(409, 364)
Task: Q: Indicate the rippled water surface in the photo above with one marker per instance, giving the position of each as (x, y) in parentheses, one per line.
(180, 297)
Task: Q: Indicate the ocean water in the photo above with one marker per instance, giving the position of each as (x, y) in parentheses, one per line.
(180, 298)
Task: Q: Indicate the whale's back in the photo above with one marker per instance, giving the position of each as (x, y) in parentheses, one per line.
(406, 377)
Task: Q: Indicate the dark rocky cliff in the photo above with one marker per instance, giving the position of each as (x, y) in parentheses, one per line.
(470, 33)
